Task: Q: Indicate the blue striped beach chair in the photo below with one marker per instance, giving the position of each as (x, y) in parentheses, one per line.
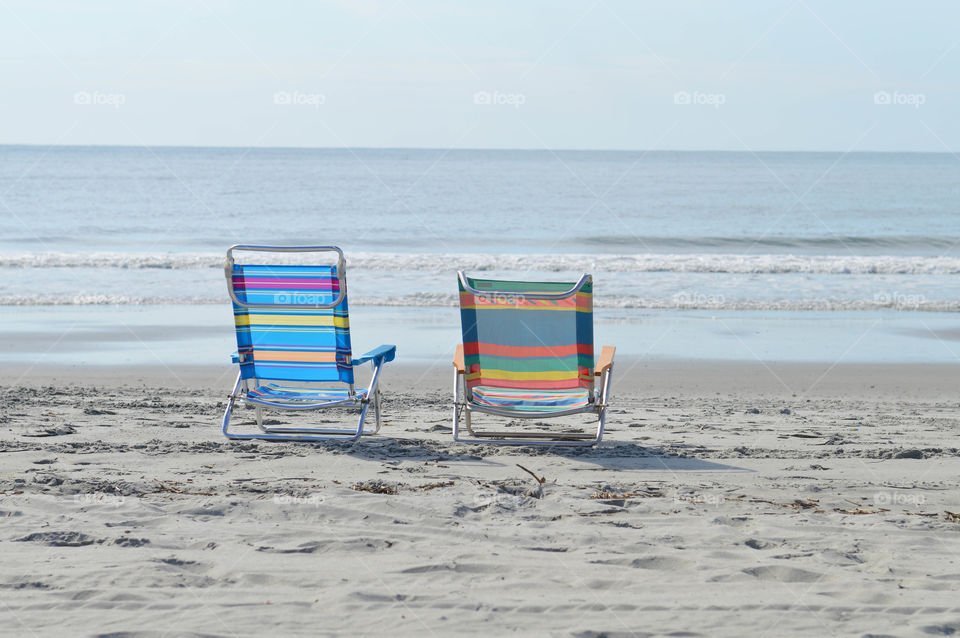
(527, 353)
(293, 344)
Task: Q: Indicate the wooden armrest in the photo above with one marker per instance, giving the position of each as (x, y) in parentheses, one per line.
(458, 360)
(606, 360)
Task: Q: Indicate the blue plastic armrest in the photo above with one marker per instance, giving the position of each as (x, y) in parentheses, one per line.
(381, 355)
(235, 357)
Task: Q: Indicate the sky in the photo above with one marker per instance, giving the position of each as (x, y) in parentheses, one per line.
(792, 75)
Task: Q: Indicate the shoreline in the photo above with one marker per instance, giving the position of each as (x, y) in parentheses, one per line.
(185, 336)
(632, 375)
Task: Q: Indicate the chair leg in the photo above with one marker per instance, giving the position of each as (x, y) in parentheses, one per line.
(270, 434)
(467, 420)
(301, 434)
(374, 389)
(459, 405)
(458, 411)
(502, 438)
(376, 410)
(605, 381)
(273, 433)
(230, 403)
(376, 414)
(535, 439)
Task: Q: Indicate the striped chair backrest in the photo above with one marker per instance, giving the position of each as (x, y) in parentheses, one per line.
(512, 341)
(296, 344)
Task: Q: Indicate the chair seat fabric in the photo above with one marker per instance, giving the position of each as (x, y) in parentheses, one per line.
(531, 400)
(275, 393)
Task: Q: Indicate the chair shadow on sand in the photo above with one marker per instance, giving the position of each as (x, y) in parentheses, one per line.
(610, 455)
(629, 455)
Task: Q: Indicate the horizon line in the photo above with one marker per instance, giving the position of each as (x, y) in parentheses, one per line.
(451, 149)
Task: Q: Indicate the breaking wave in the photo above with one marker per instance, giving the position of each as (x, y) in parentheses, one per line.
(679, 301)
(434, 262)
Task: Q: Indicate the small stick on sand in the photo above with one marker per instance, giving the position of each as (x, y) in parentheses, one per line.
(432, 486)
(860, 511)
(539, 479)
(161, 487)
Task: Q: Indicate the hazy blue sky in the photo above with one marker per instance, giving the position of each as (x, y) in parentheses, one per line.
(597, 74)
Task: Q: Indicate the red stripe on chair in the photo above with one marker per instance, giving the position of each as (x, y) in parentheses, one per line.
(473, 347)
(260, 282)
(533, 384)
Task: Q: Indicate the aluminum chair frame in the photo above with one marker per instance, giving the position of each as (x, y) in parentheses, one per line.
(378, 357)
(464, 405)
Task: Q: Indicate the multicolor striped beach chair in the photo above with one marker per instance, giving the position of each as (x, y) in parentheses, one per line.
(527, 353)
(293, 344)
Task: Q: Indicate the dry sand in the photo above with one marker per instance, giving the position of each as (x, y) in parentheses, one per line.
(727, 499)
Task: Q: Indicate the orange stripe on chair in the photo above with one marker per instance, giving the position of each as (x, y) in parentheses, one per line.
(288, 355)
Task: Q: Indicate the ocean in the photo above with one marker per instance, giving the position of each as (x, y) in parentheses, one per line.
(777, 247)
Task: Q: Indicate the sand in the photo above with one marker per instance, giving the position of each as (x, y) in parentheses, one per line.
(726, 500)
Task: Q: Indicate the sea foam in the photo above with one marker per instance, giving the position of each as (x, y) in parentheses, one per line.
(595, 263)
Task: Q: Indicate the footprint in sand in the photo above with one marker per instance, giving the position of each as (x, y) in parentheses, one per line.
(756, 543)
(616, 634)
(310, 547)
(185, 565)
(664, 563)
(733, 521)
(59, 539)
(843, 559)
(949, 629)
(784, 574)
(460, 568)
(27, 585)
(78, 539)
(946, 577)
(127, 541)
